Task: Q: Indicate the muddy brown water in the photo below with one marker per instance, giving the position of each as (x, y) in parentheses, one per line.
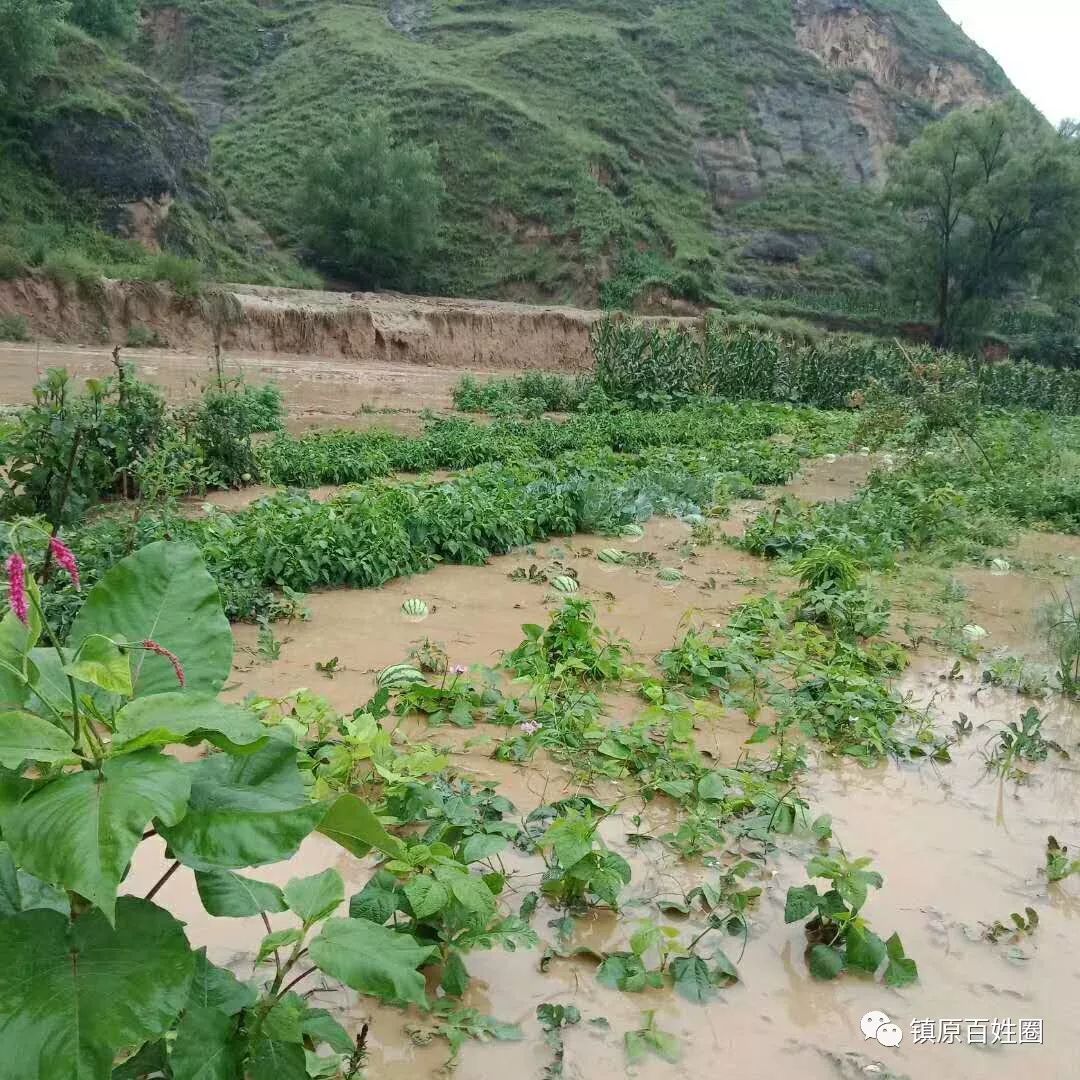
(957, 848)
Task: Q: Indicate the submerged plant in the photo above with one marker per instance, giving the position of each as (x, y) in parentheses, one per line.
(1058, 864)
(1023, 741)
(1060, 623)
(839, 938)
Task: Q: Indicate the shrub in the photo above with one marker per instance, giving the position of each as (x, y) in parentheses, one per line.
(184, 275)
(27, 43)
(12, 264)
(222, 426)
(142, 337)
(369, 208)
(69, 450)
(104, 18)
(13, 328)
(67, 267)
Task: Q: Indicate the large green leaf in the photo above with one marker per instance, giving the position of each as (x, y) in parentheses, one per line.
(313, 898)
(274, 1060)
(151, 1060)
(802, 901)
(16, 669)
(228, 895)
(215, 988)
(378, 899)
(278, 1053)
(320, 1026)
(20, 891)
(100, 662)
(372, 959)
(863, 950)
(426, 896)
(80, 830)
(26, 737)
(825, 962)
(244, 811)
(207, 1047)
(350, 822)
(161, 719)
(901, 970)
(692, 979)
(74, 993)
(163, 593)
(51, 685)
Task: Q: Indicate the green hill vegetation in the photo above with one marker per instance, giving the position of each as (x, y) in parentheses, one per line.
(626, 153)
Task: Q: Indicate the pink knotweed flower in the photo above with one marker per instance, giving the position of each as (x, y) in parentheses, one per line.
(459, 669)
(530, 727)
(65, 558)
(154, 647)
(16, 572)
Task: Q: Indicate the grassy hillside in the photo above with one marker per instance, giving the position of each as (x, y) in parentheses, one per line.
(94, 139)
(592, 150)
(569, 133)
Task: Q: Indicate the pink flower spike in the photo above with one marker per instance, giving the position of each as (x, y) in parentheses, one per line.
(154, 647)
(530, 727)
(459, 669)
(16, 572)
(65, 558)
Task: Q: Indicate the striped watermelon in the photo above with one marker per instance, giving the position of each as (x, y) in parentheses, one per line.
(398, 675)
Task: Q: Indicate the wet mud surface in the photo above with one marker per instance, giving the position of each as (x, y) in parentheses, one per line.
(957, 846)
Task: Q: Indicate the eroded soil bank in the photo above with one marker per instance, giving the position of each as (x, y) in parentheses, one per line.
(301, 326)
(957, 847)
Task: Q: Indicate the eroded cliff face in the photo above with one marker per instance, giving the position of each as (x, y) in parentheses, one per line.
(851, 126)
(845, 37)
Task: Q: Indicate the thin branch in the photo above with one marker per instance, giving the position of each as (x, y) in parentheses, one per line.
(161, 880)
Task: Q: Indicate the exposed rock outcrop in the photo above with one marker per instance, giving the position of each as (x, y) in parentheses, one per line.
(851, 127)
(846, 37)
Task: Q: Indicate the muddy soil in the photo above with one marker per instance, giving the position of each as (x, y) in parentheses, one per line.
(318, 392)
(957, 847)
(380, 328)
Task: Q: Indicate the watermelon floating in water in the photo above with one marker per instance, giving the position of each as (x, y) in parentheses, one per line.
(414, 608)
(670, 576)
(612, 556)
(398, 675)
(564, 583)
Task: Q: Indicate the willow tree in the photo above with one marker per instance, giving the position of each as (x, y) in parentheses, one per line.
(992, 196)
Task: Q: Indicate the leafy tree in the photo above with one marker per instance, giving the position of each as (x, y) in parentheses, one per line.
(27, 42)
(104, 18)
(368, 207)
(993, 196)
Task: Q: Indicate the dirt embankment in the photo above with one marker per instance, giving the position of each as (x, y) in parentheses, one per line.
(364, 327)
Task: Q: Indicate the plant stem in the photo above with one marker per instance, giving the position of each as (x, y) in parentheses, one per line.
(80, 730)
(161, 880)
(65, 490)
(292, 982)
(277, 957)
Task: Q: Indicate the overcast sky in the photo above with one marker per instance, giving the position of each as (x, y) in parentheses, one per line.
(1035, 41)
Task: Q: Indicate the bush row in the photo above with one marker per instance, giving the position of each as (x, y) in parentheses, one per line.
(636, 361)
(341, 457)
(375, 532)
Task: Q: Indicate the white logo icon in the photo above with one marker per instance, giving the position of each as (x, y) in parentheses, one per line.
(876, 1025)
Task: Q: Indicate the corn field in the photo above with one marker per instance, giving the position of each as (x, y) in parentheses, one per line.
(635, 361)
